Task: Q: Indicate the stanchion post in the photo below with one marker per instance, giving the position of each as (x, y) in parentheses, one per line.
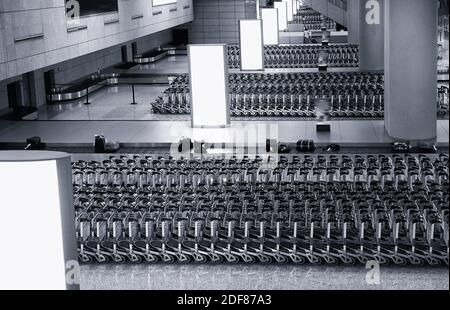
(87, 97)
(134, 96)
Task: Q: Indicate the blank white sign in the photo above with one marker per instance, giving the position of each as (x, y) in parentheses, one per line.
(258, 16)
(208, 71)
(163, 2)
(282, 15)
(290, 10)
(270, 26)
(250, 37)
(31, 228)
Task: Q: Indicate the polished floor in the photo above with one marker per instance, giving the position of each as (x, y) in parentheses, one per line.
(110, 103)
(164, 133)
(258, 277)
(114, 102)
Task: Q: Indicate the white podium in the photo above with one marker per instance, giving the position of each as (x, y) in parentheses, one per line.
(37, 229)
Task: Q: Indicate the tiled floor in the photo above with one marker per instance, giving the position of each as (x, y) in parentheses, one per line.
(258, 277)
(163, 133)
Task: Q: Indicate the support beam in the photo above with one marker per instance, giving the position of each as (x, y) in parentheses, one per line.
(411, 69)
(34, 94)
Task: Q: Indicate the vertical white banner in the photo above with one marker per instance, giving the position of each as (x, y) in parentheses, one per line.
(295, 6)
(37, 230)
(269, 18)
(258, 10)
(290, 10)
(33, 201)
(282, 15)
(208, 79)
(251, 44)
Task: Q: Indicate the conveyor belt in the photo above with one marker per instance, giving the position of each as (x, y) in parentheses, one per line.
(156, 55)
(67, 94)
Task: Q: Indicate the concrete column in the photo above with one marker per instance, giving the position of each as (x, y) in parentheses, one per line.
(353, 18)
(371, 35)
(130, 52)
(411, 69)
(3, 96)
(34, 89)
(134, 49)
